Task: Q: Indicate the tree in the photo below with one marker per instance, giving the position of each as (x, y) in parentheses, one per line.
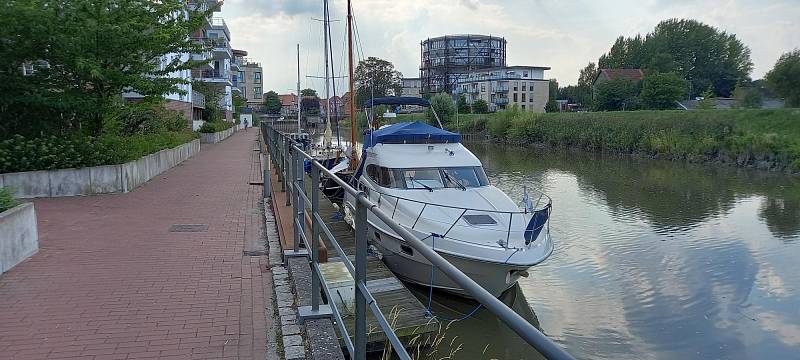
(616, 94)
(309, 105)
(463, 107)
(272, 103)
(784, 78)
(308, 92)
(747, 96)
(708, 101)
(239, 103)
(480, 106)
(551, 106)
(213, 99)
(583, 93)
(442, 103)
(553, 89)
(660, 91)
(376, 77)
(95, 50)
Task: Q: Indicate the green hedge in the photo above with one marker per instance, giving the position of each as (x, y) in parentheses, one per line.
(57, 152)
(215, 126)
(743, 135)
(7, 200)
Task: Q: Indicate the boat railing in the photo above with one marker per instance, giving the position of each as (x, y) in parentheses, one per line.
(520, 228)
(289, 160)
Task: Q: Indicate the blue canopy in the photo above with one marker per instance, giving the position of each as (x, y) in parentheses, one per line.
(410, 133)
(397, 100)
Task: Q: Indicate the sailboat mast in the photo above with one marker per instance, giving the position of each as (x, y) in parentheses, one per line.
(327, 70)
(299, 97)
(353, 124)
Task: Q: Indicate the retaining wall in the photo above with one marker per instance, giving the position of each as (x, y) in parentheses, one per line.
(98, 179)
(213, 138)
(20, 238)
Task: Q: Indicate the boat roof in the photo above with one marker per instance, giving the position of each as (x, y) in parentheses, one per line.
(410, 133)
(398, 156)
(397, 100)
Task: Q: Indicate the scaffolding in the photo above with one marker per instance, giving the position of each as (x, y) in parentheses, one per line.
(446, 60)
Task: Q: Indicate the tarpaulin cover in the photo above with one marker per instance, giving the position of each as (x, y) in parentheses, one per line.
(410, 133)
(396, 100)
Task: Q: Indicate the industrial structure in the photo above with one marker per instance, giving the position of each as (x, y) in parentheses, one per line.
(448, 59)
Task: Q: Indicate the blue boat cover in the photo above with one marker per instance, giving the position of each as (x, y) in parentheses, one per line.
(397, 100)
(410, 133)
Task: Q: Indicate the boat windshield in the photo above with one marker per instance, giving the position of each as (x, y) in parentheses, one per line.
(428, 178)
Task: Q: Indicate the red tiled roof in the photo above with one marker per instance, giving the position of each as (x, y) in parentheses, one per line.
(288, 99)
(628, 74)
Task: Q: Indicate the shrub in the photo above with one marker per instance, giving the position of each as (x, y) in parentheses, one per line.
(443, 104)
(148, 117)
(214, 126)
(62, 152)
(480, 106)
(7, 200)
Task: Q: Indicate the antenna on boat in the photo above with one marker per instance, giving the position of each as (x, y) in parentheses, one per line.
(353, 123)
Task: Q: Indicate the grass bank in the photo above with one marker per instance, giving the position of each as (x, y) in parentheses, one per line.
(768, 139)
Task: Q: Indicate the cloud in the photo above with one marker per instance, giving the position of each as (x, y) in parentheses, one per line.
(470, 4)
(277, 7)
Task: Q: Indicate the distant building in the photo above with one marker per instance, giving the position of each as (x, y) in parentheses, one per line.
(411, 87)
(288, 104)
(336, 107)
(446, 60)
(248, 79)
(501, 87)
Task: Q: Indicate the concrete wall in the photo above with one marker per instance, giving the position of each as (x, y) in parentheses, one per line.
(99, 179)
(20, 238)
(213, 138)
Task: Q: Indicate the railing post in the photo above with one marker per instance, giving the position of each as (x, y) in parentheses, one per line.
(314, 237)
(361, 276)
(287, 170)
(299, 204)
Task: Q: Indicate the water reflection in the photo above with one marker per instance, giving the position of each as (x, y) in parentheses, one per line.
(657, 260)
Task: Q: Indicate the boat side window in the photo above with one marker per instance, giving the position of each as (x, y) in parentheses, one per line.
(390, 178)
(482, 178)
(372, 172)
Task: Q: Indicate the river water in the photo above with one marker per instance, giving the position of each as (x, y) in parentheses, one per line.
(652, 260)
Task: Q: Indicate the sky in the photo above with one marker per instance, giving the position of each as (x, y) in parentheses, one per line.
(564, 35)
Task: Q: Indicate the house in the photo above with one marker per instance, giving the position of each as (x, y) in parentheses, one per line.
(288, 104)
(336, 104)
(635, 75)
(247, 79)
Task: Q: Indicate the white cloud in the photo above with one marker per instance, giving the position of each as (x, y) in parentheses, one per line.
(562, 35)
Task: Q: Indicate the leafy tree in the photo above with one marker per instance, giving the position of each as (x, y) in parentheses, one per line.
(583, 91)
(95, 50)
(551, 106)
(213, 99)
(309, 105)
(553, 89)
(702, 54)
(784, 78)
(661, 90)
(709, 100)
(272, 103)
(308, 92)
(442, 103)
(463, 107)
(239, 103)
(747, 97)
(616, 94)
(377, 77)
(479, 106)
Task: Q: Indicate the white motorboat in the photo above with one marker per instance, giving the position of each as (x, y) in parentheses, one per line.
(437, 189)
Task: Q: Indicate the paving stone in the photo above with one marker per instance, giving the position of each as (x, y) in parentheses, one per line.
(288, 320)
(294, 352)
(292, 340)
(290, 330)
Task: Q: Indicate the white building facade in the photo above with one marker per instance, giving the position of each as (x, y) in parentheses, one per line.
(523, 86)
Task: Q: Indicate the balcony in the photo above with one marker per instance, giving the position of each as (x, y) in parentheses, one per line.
(221, 77)
(474, 90)
(221, 48)
(219, 24)
(501, 101)
(500, 89)
(198, 100)
(205, 57)
(235, 63)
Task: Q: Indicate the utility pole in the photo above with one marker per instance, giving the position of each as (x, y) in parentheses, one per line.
(299, 97)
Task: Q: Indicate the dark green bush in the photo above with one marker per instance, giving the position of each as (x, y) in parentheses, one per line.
(7, 200)
(149, 117)
(61, 152)
(214, 126)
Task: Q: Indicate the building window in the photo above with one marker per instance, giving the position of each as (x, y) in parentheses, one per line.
(524, 74)
(257, 92)
(523, 98)
(523, 107)
(516, 85)
(523, 86)
(515, 95)
(244, 92)
(483, 88)
(241, 76)
(257, 77)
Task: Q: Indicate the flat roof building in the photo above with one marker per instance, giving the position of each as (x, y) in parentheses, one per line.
(501, 87)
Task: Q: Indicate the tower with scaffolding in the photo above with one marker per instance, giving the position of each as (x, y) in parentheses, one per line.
(447, 59)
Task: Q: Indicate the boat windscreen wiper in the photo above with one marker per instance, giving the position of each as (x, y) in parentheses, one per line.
(450, 179)
(419, 182)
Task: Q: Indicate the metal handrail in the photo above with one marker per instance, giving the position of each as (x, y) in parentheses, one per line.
(364, 299)
(549, 202)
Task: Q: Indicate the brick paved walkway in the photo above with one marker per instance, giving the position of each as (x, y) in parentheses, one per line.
(112, 282)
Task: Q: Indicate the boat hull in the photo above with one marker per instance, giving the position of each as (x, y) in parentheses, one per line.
(410, 266)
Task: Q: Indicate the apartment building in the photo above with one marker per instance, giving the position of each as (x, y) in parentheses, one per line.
(248, 79)
(524, 86)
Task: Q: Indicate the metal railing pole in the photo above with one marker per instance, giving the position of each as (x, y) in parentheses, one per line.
(296, 185)
(314, 237)
(287, 172)
(361, 275)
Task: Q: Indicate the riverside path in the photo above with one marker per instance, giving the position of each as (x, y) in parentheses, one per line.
(131, 276)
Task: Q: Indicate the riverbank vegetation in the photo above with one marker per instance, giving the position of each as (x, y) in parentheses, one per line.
(747, 137)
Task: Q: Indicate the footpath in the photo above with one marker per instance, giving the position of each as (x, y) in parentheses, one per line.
(174, 269)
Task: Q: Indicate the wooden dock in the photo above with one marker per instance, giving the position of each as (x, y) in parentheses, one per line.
(399, 306)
